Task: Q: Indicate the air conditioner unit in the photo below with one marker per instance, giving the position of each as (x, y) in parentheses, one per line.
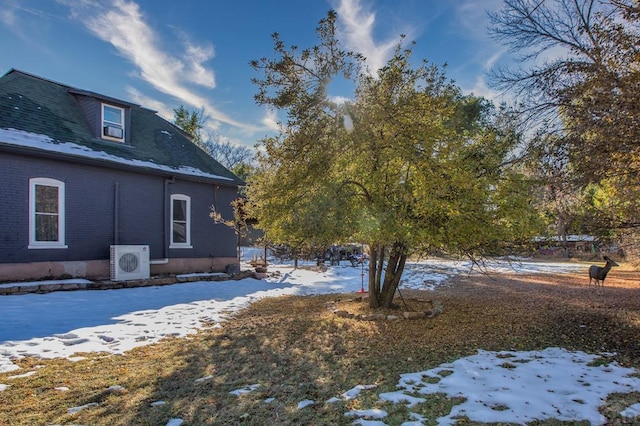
(129, 262)
(113, 132)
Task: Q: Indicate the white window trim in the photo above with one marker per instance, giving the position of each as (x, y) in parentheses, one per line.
(33, 244)
(187, 199)
(103, 122)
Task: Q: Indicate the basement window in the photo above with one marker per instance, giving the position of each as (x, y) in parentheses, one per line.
(112, 123)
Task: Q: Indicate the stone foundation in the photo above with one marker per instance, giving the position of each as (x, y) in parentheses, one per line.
(99, 269)
(45, 287)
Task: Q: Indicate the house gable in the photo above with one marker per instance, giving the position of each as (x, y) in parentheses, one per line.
(42, 115)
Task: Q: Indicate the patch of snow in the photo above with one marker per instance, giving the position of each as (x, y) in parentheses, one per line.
(21, 376)
(201, 274)
(244, 390)
(305, 403)
(399, 397)
(37, 283)
(355, 391)
(526, 386)
(418, 420)
(116, 389)
(6, 365)
(74, 410)
(631, 411)
(363, 422)
(372, 413)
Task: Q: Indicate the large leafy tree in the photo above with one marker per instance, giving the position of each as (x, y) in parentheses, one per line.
(407, 166)
(581, 72)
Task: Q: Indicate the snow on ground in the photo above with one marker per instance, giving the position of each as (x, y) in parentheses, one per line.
(498, 387)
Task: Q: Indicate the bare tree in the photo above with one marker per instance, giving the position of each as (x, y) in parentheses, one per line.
(580, 72)
(237, 158)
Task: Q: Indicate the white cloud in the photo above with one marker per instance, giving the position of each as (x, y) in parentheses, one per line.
(12, 14)
(340, 99)
(357, 24)
(148, 102)
(8, 15)
(195, 56)
(493, 59)
(270, 120)
(122, 24)
(472, 18)
(480, 88)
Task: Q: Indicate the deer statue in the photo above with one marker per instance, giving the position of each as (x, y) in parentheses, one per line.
(598, 273)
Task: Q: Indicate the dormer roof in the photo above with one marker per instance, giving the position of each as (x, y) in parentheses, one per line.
(44, 117)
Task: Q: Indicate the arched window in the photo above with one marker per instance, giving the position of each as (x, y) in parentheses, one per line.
(46, 213)
(180, 221)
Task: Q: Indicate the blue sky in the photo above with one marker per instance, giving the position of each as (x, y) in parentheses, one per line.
(165, 53)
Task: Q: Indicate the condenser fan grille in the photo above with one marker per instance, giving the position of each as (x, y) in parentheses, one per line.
(128, 262)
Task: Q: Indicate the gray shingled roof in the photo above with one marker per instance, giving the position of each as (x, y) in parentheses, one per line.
(39, 106)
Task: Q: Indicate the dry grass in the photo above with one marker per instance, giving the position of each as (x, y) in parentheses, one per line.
(296, 349)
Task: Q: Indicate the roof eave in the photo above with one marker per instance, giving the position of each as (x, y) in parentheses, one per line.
(78, 159)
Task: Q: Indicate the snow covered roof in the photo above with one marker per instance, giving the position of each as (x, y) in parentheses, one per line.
(42, 117)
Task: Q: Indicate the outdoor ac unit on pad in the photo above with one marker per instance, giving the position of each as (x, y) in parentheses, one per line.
(129, 262)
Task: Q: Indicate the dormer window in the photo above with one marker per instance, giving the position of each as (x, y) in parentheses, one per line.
(112, 123)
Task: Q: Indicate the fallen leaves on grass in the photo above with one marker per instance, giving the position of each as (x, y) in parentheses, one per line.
(292, 349)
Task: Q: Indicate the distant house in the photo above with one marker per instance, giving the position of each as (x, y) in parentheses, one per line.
(567, 245)
(81, 172)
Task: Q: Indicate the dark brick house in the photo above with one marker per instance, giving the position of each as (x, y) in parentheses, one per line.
(81, 172)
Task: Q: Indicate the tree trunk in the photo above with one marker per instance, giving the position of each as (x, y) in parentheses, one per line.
(373, 272)
(382, 294)
(376, 262)
(381, 255)
(393, 273)
(265, 254)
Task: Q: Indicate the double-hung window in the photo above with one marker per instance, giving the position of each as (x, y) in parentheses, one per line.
(112, 123)
(180, 221)
(46, 214)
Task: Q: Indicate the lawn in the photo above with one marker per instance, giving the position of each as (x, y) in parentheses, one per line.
(297, 349)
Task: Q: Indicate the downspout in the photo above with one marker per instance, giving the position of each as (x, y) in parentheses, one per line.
(165, 233)
(116, 213)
